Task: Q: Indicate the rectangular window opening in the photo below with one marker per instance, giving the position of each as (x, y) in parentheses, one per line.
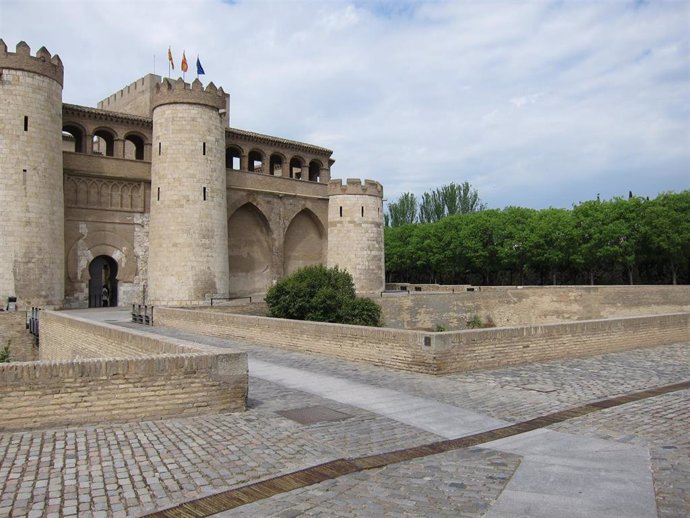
(204, 193)
(362, 210)
(159, 149)
(158, 195)
(26, 123)
(341, 212)
(204, 148)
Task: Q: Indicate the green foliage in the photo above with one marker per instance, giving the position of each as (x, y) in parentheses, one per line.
(403, 211)
(617, 241)
(474, 323)
(321, 294)
(440, 328)
(5, 354)
(361, 312)
(434, 206)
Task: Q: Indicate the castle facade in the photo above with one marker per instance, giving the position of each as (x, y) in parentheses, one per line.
(153, 198)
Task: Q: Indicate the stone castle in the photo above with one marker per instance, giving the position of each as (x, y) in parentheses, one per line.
(154, 197)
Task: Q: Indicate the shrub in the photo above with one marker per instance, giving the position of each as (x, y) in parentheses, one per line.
(321, 294)
(5, 354)
(474, 323)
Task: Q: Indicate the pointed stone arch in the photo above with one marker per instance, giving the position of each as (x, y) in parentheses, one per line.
(305, 242)
(250, 252)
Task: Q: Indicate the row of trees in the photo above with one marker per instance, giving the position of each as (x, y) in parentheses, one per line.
(633, 240)
(435, 205)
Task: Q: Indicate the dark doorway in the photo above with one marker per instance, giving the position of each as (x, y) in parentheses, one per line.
(103, 282)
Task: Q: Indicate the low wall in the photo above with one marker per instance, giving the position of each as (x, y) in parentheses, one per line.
(509, 306)
(93, 372)
(13, 333)
(460, 351)
(436, 353)
(395, 348)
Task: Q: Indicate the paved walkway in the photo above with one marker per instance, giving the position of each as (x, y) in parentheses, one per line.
(632, 460)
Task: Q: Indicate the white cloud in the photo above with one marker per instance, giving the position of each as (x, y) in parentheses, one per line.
(538, 103)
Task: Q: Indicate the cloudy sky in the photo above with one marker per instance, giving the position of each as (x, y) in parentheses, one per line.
(534, 103)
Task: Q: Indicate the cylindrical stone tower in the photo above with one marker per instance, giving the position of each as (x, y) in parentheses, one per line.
(355, 232)
(32, 228)
(188, 236)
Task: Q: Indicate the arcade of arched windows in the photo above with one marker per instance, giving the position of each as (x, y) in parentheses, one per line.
(276, 163)
(105, 141)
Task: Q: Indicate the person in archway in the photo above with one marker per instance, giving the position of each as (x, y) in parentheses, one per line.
(105, 297)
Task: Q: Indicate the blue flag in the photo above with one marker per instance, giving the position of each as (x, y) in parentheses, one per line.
(199, 68)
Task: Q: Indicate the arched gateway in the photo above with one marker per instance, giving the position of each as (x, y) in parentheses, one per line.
(103, 282)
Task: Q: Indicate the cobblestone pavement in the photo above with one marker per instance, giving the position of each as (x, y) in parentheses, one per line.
(133, 468)
(457, 484)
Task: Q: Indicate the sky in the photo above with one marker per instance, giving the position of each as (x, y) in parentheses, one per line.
(535, 103)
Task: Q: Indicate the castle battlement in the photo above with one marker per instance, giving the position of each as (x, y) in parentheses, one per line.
(42, 63)
(175, 92)
(355, 186)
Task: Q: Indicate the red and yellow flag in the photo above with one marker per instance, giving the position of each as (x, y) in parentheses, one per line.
(183, 66)
(170, 59)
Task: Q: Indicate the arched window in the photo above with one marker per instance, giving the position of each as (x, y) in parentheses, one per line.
(276, 165)
(103, 143)
(134, 147)
(296, 168)
(314, 171)
(72, 138)
(232, 158)
(255, 161)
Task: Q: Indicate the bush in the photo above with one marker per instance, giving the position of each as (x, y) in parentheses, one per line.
(474, 323)
(5, 354)
(321, 294)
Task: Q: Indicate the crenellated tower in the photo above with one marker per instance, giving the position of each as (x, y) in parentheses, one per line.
(188, 250)
(355, 232)
(31, 187)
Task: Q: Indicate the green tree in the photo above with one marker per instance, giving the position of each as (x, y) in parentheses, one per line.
(403, 211)
(448, 200)
(666, 230)
(550, 242)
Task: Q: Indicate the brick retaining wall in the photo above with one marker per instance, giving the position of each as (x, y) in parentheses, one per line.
(381, 346)
(137, 376)
(460, 351)
(434, 353)
(511, 306)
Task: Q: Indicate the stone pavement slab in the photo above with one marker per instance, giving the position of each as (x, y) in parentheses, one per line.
(571, 476)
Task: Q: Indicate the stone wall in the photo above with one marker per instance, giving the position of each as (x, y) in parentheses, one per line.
(98, 372)
(355, 232)
(31, 197)
(506, 306)
(388, 347)
(435, 353)
(188, 232)
(462, 351)
(13, 332)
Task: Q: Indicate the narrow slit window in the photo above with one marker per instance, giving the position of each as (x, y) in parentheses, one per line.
(26, 123)
(362, 210)
(204, 193)
(159, 149)
(158, 195)
(341, 212)
(204, 155)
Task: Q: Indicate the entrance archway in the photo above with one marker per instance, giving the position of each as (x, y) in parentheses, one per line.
(103, 272)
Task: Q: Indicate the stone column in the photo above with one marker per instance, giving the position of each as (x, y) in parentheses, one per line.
(119, 148)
